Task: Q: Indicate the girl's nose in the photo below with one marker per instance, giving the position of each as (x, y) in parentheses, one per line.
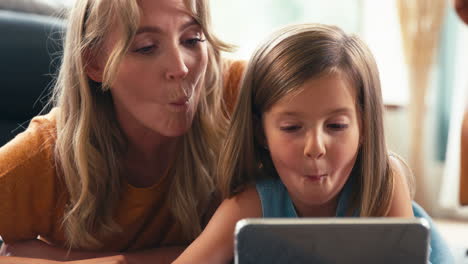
(314, 147)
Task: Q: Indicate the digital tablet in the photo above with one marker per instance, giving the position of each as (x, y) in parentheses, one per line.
(332, 240)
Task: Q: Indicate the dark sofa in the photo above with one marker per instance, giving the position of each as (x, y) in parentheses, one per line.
(30, 52)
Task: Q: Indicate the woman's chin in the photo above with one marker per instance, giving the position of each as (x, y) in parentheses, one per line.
(175, 130)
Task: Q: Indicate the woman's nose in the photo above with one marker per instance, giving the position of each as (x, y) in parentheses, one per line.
(177, 68)
(314, 146)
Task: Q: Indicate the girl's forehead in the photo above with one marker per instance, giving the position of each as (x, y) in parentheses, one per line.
(327, 93)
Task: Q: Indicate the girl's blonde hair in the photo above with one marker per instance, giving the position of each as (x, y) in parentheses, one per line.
(279, 67)
(90, 144)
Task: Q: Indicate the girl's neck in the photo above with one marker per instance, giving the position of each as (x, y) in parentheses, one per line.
(323, 210)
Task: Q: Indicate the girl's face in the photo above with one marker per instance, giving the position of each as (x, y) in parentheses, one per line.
(158, 82)
(313, 139)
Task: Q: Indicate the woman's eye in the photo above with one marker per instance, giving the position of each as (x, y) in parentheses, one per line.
(292, 128)
(146, 49)
(337, 126)
(193, 42)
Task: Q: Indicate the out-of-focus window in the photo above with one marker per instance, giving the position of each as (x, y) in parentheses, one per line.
(246, 23)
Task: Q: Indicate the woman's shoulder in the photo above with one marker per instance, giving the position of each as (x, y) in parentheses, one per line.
(29, 186)
(234, 66)
(232, 77)
(32, 148)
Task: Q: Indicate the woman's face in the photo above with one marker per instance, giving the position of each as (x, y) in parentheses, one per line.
(158, 82)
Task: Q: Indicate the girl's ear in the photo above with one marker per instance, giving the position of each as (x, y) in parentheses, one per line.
(93, 66)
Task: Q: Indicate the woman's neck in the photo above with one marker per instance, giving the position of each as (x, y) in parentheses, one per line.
(148, 154)
(144, 169)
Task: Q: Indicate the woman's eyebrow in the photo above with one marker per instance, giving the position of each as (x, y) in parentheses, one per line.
(158, 30)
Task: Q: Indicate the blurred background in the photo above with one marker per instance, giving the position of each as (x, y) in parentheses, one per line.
(421, 48)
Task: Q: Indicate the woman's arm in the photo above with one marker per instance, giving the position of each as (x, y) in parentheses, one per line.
(20, 260)
(216, 242)
(401, 199)
(36, 251)
(119, 259)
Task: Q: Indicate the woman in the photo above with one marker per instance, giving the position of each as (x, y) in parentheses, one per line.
(124, 161)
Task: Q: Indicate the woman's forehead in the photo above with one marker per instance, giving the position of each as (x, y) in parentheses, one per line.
(147, 6)
(162, 13)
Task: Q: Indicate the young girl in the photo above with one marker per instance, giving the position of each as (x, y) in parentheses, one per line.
(307, 140)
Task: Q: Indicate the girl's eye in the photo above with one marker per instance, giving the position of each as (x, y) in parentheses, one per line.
(337, 126)
(193, 42)
(291, 128)
(146, 49)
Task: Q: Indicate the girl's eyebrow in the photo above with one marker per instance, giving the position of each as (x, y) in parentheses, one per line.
(335, 111)
(341, 110)
(289, 113)
(158, 30)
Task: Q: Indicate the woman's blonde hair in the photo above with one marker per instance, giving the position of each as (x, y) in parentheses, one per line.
(90, 144)
(279, 67)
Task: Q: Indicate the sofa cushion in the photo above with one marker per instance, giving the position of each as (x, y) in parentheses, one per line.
(30, 52)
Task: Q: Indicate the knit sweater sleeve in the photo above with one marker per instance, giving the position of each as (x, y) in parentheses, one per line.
(28, 182)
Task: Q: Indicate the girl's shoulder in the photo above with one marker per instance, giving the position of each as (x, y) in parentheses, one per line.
(245, 204)
(248, 200)
(402, 172)
(403, 190)
(270, 185)
(274, 198)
